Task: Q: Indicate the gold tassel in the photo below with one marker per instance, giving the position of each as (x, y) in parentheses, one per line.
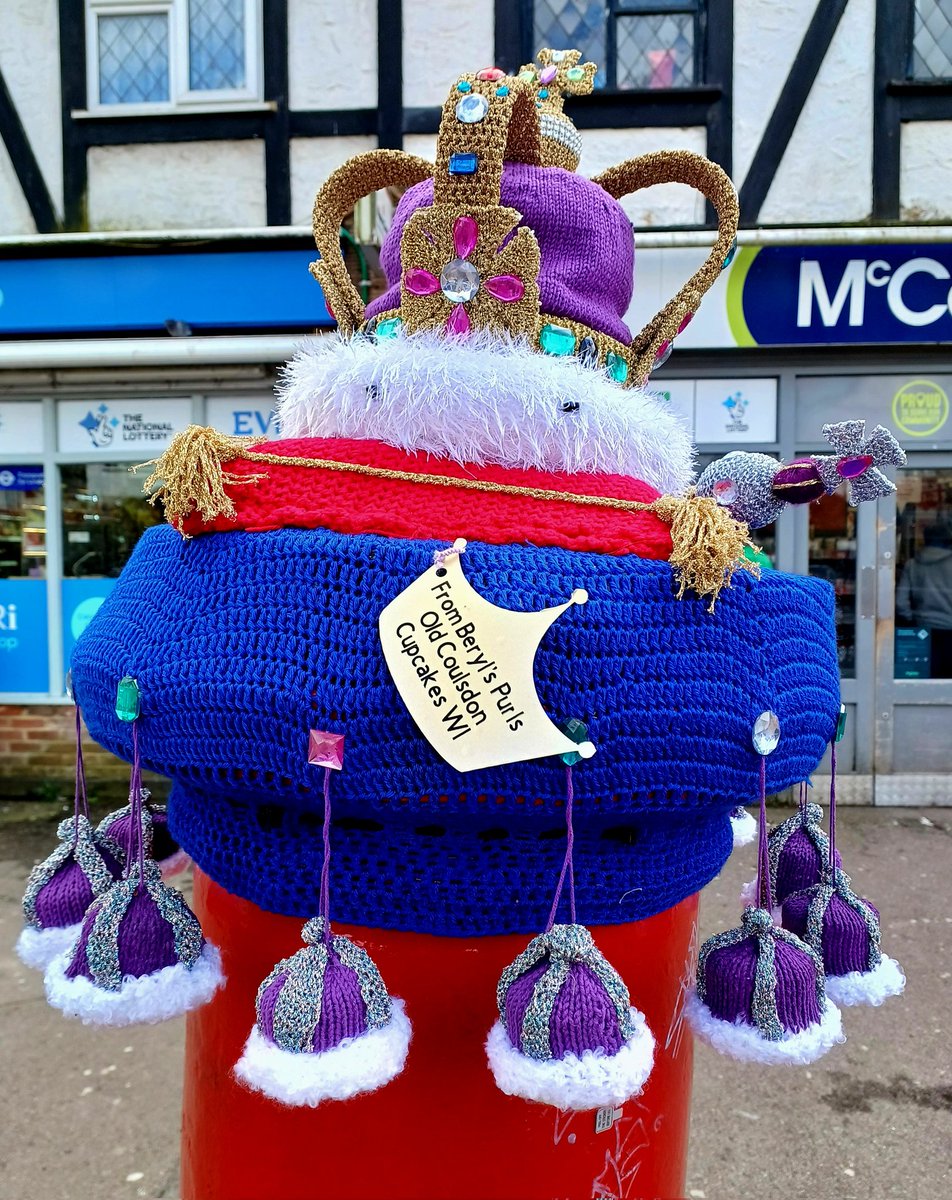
(190, 475)
(707, 544)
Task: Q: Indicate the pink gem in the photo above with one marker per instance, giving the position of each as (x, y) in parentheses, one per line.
(326, 749)
(854, 466)
(506, 288)
(420, 283)
(465, 236)
(547, 75)
(491, 74)
(458, 322)
(662, 350)
(686, 322)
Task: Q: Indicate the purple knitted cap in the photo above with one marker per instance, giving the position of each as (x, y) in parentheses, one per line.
(343, 1011)
(64, 900)
(583, 1016)
(846, 936)
(585, 239)
(146, 940)
(729, 984)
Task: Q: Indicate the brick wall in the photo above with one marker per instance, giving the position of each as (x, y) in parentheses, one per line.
(37, 756)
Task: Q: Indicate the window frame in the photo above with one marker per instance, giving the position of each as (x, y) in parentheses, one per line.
(924, 81)
(182, 98)
(633, 8)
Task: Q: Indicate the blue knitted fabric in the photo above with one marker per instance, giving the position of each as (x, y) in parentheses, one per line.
(243, 642)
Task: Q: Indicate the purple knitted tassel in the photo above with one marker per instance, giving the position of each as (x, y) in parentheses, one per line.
(140, 956)
(760, 992)
(327, 1029)
(61, 888)
(567, 1034)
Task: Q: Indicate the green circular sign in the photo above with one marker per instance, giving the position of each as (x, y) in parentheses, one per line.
(920, 408)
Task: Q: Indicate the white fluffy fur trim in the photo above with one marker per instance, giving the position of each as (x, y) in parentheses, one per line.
(580, 1083)
(174, 864)
(360, 1064)
(38, 947)
(483, 400)
(742, 1041)
(143, 999)
(867, 987)
(748, 897)
(744, 829)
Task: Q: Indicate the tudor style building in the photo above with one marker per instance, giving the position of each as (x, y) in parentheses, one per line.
(158, 163)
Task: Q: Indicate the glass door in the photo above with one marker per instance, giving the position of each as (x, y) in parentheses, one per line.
(914, 636)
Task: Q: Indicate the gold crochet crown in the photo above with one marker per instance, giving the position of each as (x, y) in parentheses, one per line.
(468, 261)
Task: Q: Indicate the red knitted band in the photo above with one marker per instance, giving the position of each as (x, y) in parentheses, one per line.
(314, 497)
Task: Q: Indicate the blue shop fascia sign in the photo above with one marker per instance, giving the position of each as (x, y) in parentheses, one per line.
(214, 290)
(841, 295)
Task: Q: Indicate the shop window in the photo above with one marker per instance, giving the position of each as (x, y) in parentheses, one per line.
(924, 574)
(636, 43)
(170, 53)
(23, 631)
(931, 57)
(833, 558)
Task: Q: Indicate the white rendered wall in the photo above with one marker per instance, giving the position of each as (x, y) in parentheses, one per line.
(15, 215)
(442, 38)
(312, 160)
(667, 204)
(925, 183)
(29, 60)
(332, 54)
(767, 35)
(185, 185)
(826, 172)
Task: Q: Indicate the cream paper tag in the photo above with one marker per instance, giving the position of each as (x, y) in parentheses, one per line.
(463, 667)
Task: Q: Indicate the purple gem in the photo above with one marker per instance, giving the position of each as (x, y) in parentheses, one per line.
(547, 75)
(854, 465)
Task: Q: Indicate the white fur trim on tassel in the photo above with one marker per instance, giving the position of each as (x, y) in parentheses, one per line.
(744, 829)
(360, 1064)
(745, 1042)
(483, 399)
(867, 987)
(38, 947)
(174, 864)
(577, 1082)
(142, 999)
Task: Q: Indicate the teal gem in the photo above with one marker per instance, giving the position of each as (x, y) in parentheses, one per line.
(616, 367)
(389, 328)
(502, 91)
(544, 94)
(556, 339)
(731, 253)
(575, 73)
(841, 723)
(464, 86)
(578, 732)
(127, 699)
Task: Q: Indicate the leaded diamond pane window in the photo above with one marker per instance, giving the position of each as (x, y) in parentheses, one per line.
(134, 58)
(216, 44)
(932, 40)
(636, 43)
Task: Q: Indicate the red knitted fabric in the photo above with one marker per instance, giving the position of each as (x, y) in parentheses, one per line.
(313, 497)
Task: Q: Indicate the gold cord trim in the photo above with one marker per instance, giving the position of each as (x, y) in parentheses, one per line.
(707, 543)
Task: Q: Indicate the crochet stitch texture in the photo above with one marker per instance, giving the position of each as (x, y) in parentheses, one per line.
(243, 642)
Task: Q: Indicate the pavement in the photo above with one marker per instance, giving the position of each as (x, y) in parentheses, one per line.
(93, 1114)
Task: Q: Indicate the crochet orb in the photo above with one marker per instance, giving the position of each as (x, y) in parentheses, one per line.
(741, 482)
(760, 995)
(327, 1028)
(62, 887)
(845, 931)
(140, 957)
(567, 1034)
(743, 827)
(159, 842)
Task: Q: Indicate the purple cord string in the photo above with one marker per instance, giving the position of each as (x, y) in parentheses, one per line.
(763, 857)
(568, 865)
(135, 803)
(325, 898)
(80, 803)
(832, 804)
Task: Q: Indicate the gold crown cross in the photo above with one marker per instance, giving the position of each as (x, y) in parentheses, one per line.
(556, 74)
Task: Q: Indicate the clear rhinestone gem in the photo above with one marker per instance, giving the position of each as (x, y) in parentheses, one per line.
(725, 491)
(459, 281)
(766, 732)
(471, 109)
